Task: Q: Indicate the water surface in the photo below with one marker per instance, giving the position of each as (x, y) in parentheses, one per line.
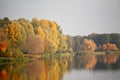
(79, 67)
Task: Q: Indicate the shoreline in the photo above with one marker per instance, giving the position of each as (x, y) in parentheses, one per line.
(31, 57)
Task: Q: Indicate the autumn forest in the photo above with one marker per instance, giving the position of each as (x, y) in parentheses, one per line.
(35, 37)
(18, 37)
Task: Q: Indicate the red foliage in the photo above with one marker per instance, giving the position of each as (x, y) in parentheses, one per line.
(109, 47)
(3, 46)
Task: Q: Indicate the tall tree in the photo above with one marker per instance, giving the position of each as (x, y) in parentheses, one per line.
(33, 45)
(88, 45)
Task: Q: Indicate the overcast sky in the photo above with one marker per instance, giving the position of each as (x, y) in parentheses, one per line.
(76, 17)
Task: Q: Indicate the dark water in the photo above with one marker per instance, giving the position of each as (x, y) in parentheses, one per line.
(83, 67)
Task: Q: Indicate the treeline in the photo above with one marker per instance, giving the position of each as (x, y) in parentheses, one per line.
(94, 42)
(44, 36)
(34, 37)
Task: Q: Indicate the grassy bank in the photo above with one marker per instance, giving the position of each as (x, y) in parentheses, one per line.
(97, 53)
(56, 55)
(7, 60)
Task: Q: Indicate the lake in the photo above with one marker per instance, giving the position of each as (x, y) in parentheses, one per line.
(79, 67)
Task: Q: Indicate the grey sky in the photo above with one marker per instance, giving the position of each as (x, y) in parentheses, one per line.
(76, 17)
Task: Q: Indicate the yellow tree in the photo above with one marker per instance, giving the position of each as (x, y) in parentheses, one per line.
(35, 22)
(50, 34)
(27, 26)
(16, 35)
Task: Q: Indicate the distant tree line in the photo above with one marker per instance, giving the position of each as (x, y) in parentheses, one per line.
(94, 42)
(33, 37)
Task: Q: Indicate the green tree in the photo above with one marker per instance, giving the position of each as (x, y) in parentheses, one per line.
(101, 39)
(77, 40)
(115, 39)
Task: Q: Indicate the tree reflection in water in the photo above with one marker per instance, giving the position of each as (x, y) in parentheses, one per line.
(110, 61)
(110, 58)
(85, 62)
(43, 69)
(54, 69)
